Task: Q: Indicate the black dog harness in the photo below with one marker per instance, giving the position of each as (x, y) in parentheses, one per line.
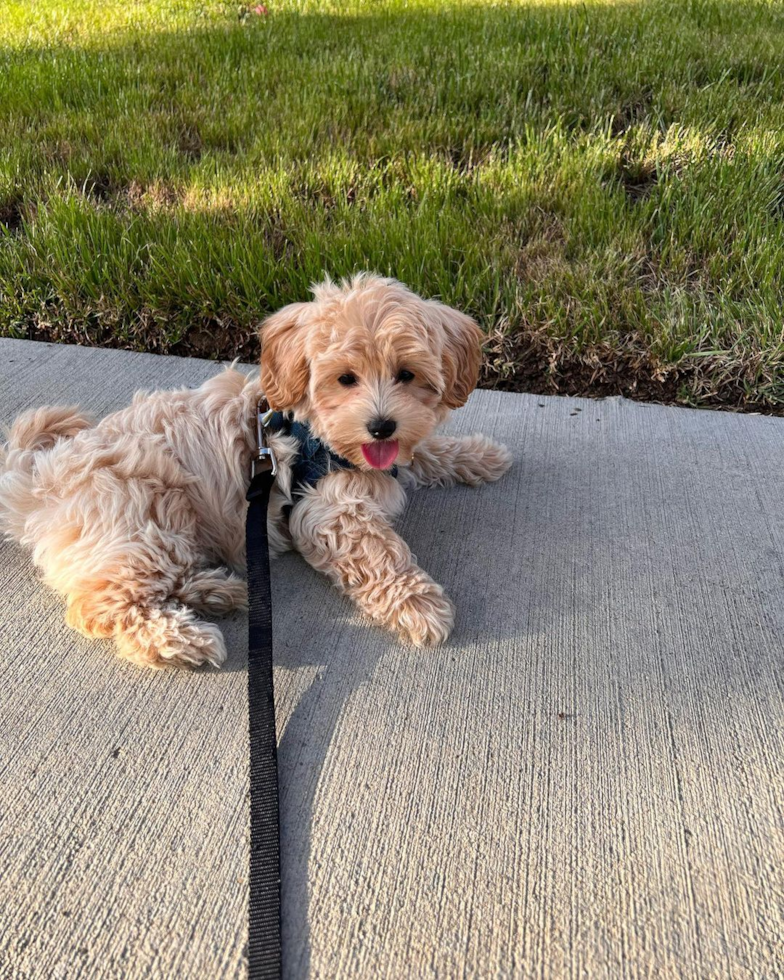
(314, 459)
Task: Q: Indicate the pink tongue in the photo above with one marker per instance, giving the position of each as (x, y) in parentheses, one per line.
(380, 455)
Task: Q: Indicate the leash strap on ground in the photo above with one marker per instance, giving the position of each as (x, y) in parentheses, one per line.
(264, 878)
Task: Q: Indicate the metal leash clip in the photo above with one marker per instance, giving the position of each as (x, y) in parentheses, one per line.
(266, 457)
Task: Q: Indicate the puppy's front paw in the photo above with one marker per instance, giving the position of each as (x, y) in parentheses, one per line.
(484, 461)
(425, 618)
(490, 461)
(495, 461)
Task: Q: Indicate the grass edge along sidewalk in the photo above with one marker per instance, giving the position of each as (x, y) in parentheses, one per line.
(600, 185)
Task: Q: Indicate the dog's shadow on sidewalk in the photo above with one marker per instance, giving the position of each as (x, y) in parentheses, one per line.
(325, 654)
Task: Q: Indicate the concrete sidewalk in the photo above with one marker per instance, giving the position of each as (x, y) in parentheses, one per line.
(585, 782)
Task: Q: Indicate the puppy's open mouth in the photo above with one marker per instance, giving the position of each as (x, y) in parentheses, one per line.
(380, 455)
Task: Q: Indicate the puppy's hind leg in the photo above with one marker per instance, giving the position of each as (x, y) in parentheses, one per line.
(150, 633)
(442, 461)
(140, 595)
(169, 635)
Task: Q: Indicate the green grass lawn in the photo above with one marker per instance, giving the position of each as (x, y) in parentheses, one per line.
(600, 184)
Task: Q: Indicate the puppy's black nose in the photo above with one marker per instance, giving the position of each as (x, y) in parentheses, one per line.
(382, 428)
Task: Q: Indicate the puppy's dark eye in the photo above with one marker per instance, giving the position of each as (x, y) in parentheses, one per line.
(404, 376)
(347, 380)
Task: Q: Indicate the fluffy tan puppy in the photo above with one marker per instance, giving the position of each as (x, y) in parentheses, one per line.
(139, 520)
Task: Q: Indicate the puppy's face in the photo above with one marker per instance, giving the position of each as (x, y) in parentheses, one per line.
(371, 366)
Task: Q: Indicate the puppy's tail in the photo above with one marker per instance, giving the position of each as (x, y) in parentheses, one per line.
(32, 432)
(40, 428)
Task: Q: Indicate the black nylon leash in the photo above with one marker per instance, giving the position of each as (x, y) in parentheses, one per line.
(264, 946)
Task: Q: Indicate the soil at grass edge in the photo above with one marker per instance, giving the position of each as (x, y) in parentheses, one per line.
(535, 374)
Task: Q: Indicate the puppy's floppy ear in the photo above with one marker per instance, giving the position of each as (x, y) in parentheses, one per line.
(462, 354)
(284, 365)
